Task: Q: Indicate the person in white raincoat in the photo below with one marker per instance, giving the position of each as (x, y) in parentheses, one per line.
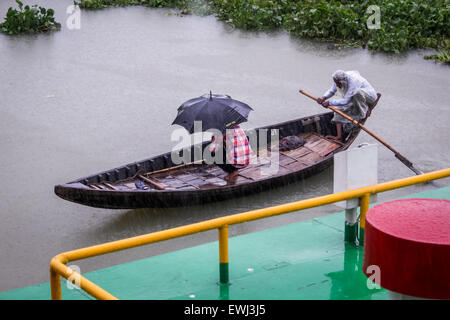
(357, 95)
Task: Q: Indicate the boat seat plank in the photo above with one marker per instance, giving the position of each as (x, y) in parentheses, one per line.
(110, 186)
(152, 182)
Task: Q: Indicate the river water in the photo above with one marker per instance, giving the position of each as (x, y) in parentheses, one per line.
(77, 102)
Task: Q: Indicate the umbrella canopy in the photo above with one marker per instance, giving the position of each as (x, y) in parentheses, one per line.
(215, 111)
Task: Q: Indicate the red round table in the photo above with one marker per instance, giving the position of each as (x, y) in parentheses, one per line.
(409, 241)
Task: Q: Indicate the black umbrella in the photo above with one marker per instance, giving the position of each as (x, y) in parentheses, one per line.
(216, 111)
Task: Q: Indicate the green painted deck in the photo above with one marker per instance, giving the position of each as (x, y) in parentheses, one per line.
(305, 260)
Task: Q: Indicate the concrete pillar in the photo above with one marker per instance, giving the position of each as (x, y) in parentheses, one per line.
(355, 168)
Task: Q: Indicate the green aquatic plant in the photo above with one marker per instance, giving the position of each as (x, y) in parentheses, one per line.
(252, 14)
(29, 19)
(443, 55)
(100, 4)
(199, 7)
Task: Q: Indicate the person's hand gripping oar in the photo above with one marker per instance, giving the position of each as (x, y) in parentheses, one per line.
(405, 161)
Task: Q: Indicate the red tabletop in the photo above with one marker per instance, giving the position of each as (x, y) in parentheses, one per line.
(409, 240)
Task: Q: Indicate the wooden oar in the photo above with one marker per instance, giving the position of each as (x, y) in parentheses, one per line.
(405, 161)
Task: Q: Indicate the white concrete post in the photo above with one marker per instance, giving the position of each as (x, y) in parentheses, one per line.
(355, 168)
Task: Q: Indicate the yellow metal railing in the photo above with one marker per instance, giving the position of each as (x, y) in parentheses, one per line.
(59, 269)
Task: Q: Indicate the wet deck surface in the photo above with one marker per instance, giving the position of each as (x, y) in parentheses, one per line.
(306, 260)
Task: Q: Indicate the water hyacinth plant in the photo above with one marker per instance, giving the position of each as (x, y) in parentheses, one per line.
(199, 7)
(442, 56)
(29, 19)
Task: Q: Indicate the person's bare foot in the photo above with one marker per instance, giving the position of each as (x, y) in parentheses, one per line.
(336, 138)
(231, 178)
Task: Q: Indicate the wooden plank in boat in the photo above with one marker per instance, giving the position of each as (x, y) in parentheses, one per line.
(216, 181)
(186, 177)
(110, 186)
(310, 158)
(249, 173)
(152, 182)
(261, 160)
(186, 188)
(207, 176)
(297, 153)
(175, 183)
(197, 182)
(129, 185)
(213, 185)
(281, 158)
(203, 173)
(274, 170)
(240, 179)
(312, 144)
(166, 179)
(309, 137)
(285, 160)
(296, 166)
(162, 176)
(325, 147)
(214, 170)
(263, 172)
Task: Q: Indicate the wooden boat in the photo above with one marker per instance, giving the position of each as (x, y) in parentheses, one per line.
(172, 185)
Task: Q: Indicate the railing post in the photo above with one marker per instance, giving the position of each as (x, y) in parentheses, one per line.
(351, 225)
(223, 254)
(364, 207)
(55, 285)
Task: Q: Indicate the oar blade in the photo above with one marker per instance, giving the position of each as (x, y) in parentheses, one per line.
(408, 163)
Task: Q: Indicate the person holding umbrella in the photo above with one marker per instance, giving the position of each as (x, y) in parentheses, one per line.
(236, 151)
(220, 112)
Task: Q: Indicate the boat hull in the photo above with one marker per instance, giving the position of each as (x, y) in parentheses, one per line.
(82, 191)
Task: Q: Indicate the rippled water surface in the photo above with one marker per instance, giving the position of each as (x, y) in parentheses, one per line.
(76, 102)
